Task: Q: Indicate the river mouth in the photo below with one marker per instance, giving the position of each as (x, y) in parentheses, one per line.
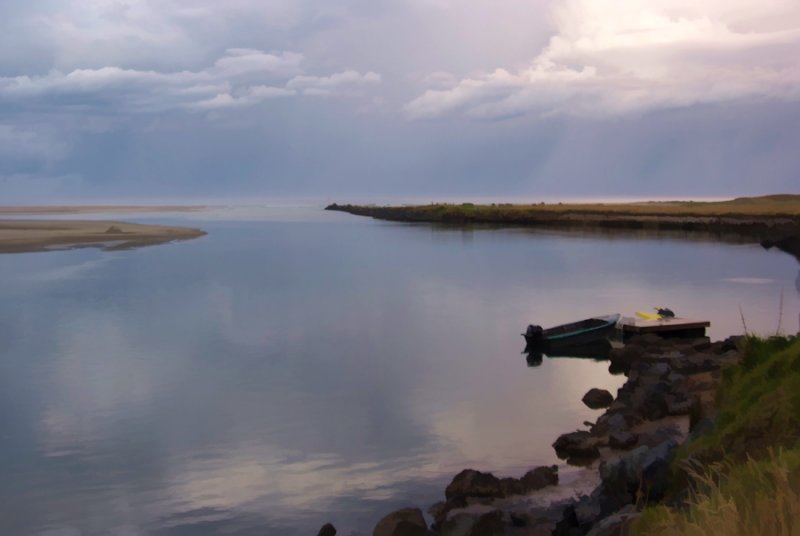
(293, 369)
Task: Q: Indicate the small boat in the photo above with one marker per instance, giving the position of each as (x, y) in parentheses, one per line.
(576, 333)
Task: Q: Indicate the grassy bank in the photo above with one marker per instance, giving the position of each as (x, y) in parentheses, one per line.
(749, 482)
(772, 206)
(772, 220)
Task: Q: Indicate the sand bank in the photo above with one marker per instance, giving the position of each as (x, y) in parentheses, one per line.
(18, 236)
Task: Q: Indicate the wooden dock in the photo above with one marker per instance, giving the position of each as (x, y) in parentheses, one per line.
(665, 327)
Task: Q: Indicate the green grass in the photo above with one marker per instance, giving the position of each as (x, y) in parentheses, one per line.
(751, 480)
(759, 403)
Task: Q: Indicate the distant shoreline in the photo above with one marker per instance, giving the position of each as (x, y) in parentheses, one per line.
(27, 236)
(94, 209)
(769, 220)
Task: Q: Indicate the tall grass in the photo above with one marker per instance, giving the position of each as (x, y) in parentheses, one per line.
(753, 498)
(750, 484)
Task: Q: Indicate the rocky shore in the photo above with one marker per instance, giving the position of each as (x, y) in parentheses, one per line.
(667, 400)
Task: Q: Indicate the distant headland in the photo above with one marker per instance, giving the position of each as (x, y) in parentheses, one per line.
(772, 220)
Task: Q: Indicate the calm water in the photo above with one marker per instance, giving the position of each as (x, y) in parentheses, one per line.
(296, 367)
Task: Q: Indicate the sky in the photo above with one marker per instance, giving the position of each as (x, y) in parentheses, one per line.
(121, 100)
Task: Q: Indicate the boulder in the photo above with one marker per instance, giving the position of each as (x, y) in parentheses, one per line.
(616, 524)
(580, 444)
(490, 524)
(598, 398)
(472, 483)
(620, 475)
(539, 478)
(655, 470)
(622, 440)
(405, 522)
(474, 524)
(654, 406)
(327, 530)
(611, 422)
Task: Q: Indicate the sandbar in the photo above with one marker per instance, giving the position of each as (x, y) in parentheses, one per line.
(22, 236)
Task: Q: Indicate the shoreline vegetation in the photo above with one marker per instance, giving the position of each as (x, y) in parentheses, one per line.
(772, 221)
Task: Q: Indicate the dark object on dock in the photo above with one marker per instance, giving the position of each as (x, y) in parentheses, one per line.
(665, 327)
(576, 333)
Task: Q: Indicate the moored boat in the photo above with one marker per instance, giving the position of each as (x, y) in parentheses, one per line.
(575, 333)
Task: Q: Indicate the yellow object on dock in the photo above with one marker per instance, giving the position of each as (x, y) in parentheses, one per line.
(668, 327)
(648, 316)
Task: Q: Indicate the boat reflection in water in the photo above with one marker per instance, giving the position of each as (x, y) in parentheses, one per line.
(598, 350)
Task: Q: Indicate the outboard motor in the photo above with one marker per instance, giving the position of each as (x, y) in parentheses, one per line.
(533, 333)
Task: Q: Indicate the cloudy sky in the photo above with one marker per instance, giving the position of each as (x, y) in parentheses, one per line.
(120, 100)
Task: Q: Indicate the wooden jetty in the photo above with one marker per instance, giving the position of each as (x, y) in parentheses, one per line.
(664, 327)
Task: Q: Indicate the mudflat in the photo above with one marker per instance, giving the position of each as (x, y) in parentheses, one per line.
(18, 236)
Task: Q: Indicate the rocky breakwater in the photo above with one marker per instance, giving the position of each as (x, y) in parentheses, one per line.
(668, 399)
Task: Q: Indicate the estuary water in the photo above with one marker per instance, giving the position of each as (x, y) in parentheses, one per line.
(297, 366)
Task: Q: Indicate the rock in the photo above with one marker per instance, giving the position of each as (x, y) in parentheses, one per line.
(327, 530)
(622, 440)
(113, 230)
(598, 398)
(474, 524)
(679, 407)
(616, 524)
(610, 422)
(402, 522)
(490, 524)
(620, 475)
(660, 370)
(472, 483)
(733, 343)
(655, 470)
(626, 355)
(439, 513)
(654, 406)
(406, 528)
(539, 478)
(701, 344)
(580, 444)
(700, 428)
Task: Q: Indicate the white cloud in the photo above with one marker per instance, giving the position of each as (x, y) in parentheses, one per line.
(239, 61)
(348, 82)
(252, 96)
(613, 57)
(237, 79)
